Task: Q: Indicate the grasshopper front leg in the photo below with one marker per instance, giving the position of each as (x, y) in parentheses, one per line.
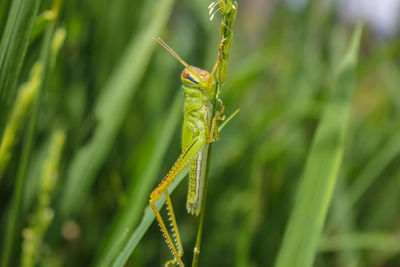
(214, 133)
(183, 160)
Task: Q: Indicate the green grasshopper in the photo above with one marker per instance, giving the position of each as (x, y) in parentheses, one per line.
(199, 130)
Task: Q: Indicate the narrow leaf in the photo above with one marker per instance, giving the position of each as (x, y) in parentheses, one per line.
(139, 196)
(318, 180)
(13, 46)
(148, 218)
(111, 109)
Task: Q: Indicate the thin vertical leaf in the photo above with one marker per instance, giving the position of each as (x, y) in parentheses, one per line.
(148, 217)
(138, 197)
(302, 234)
(144, 225)
(4, 5)
(111, 109)
(34, 234)
(370, 173)
(13, 220)
(13, 46)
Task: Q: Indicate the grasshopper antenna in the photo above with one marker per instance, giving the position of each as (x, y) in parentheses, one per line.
(172, 52)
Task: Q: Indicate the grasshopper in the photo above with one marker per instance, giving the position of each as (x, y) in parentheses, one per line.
(199, 130)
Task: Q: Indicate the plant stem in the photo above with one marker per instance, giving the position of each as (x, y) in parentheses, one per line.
(228, 11)
(196, 250)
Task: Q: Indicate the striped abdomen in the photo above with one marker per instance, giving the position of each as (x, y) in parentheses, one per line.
(196, 181)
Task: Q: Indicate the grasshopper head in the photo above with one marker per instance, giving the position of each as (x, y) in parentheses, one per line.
(196, 78)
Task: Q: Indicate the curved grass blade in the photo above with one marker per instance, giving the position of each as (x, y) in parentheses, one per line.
(303, 231)
(138, 197)
(20, 112)
(149, 216)
(34, 234)
(387, 242)
(4, 5)
(13, 46)
(144, 225)
(370, 173)
(111, 108)
(14, 215)
(33, 86)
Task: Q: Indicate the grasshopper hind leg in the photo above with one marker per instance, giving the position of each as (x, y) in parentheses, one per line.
(175, 244)
(174, 230)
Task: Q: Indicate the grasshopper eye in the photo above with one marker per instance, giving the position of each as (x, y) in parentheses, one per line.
(186, 75)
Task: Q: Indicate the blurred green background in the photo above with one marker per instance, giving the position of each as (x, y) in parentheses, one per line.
(112, 96)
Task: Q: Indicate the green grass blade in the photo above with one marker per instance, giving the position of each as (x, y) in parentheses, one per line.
(149, 217)
(388, 242)
(41, 23)
(13, 46)
(371, 172)
(390, 196)
(144, 225)
(139, 196)
(20, 111)
(12, 227)
(302, 234)
(346, 225)
(35, 232)
(111, 108)
(4, 5)
(34, 86)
